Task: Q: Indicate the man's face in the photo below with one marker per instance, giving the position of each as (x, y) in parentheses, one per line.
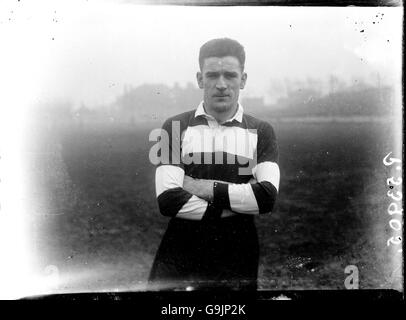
(221, 79)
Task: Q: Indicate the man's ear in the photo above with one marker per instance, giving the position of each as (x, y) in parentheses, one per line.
(243, 80)
(199, 78)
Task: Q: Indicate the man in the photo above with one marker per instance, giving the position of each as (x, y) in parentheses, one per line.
(218, 168)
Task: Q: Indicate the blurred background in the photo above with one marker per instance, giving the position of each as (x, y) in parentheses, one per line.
(88, 82)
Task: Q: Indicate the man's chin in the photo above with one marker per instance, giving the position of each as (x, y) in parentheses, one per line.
(221, 107)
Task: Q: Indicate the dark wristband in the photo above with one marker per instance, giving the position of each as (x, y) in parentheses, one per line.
(212, 213)
(220, 195)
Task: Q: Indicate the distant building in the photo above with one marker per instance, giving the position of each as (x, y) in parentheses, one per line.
(251, 103)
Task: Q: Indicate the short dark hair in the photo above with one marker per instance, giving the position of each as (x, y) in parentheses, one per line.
(221, 48)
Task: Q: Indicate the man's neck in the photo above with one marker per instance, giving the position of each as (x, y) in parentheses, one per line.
(222, 117)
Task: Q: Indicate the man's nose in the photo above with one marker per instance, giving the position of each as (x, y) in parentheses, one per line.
(221, 84)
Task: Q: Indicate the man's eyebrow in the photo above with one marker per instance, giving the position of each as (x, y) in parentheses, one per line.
(211, 73)
(215, 73)
(231, 73)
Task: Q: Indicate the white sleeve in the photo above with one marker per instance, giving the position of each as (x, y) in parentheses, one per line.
(267, 171)
(242, 196)
(170, 193)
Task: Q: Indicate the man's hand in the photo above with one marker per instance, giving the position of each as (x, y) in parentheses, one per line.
(203, 188)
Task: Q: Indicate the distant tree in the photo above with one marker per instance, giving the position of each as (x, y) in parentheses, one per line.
(314, 85)
(358, 83)
(277, 89)
(155, 101)
(189, 97)
(333, 84)
(53, 114)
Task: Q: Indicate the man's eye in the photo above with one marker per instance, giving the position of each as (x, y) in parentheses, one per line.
(231, 75)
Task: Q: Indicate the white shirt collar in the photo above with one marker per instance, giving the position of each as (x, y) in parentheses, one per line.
(237, 116)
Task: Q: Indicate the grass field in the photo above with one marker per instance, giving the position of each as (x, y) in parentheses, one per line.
(96, 217)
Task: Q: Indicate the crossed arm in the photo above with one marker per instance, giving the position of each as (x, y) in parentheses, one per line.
(184, 197)
(200, 187)
(203, 188)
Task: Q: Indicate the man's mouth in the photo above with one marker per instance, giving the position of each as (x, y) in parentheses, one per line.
(221, 95)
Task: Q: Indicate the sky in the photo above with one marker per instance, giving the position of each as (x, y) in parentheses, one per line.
(88, 51)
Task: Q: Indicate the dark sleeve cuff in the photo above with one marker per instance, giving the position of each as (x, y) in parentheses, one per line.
(212, 213)
(220, 195)
(265, 194)
(172, 200)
